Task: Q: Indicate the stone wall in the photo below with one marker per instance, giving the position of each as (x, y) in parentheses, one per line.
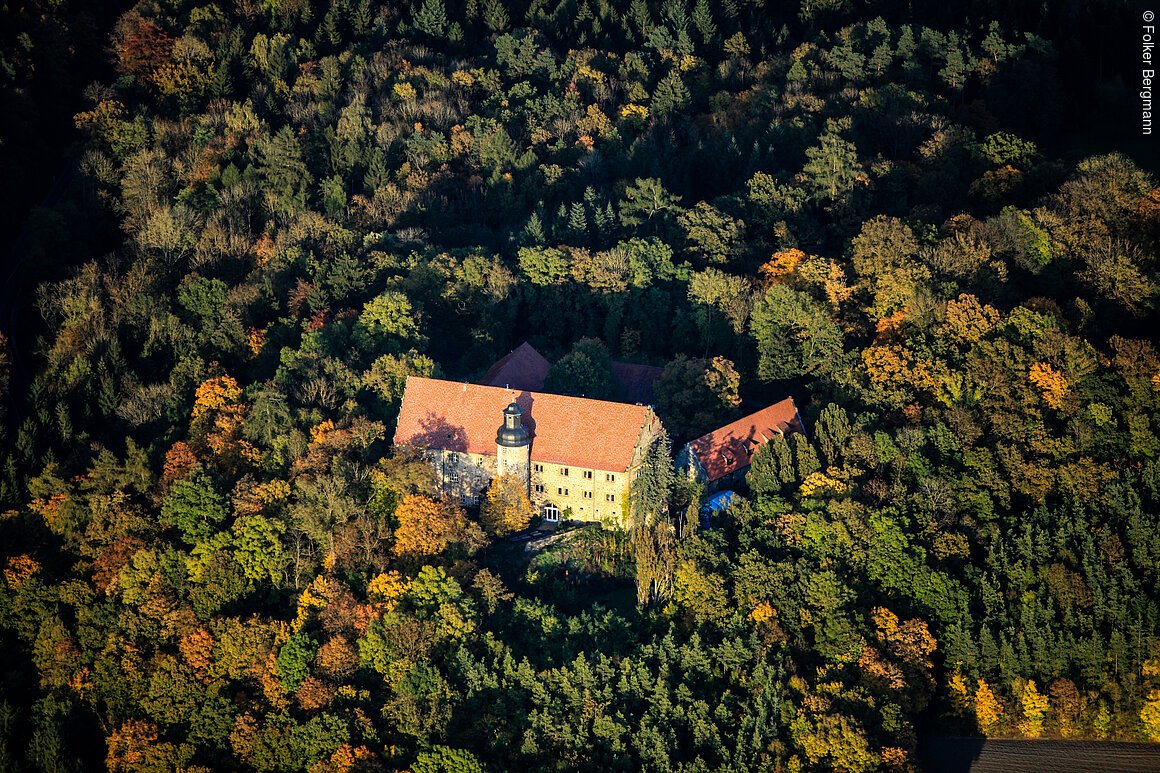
(462, 475)
(593, 495)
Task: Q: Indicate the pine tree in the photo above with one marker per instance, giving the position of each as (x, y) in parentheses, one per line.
(881, 59)
(652, 532)
(533, 233)
(954, 74)
(285, 172)
(361, 17)
(603, 220)
(431, 19)
(378, 175)
(703, 21)
(578, 222)
(670, 96)
(805, 457)
(640, 18)
(495, 16)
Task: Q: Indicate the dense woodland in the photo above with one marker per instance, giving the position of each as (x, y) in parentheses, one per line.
(213, 559)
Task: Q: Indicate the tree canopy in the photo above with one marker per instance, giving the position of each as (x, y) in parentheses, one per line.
(245, 225)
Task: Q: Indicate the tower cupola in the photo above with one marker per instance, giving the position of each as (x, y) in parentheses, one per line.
(512, 433)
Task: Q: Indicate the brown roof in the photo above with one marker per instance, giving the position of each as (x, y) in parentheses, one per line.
(576, 431)
(636, 381)
(731, 447)
(525, 368)
(522, 368)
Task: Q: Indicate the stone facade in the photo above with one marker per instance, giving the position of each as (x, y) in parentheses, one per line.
(581, 494)
(462, 475)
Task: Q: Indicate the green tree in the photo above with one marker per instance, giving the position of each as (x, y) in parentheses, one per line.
(444, 759)
(647, 205)
(795, 335)
(543, 266)
(832, 169)
(389, 321)
(495, 15)
(293, 661)
(771, 468)
(694, 395)
(586, 371)
(712, 235)
(671, 95)
(258, 547)
(652, 532)
(284, 173)
(195, 507)
(431, 19)
(703, 21)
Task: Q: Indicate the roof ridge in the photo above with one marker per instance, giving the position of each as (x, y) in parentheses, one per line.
(565, 429)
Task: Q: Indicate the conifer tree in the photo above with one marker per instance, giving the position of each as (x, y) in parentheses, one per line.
(431, 19)
(652, 532)
(703, 21)
(495, 15)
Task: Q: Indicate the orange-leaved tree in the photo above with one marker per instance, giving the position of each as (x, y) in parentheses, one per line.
(427, 526)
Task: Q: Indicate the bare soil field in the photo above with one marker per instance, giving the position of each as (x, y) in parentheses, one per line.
(980, 755)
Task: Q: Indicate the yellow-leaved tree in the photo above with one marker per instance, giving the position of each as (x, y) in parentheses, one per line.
(1051, 383)
(1034, 710)
(506, 507)
(988, 710)
(1150, 716)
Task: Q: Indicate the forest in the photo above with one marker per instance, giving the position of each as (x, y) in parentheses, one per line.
(272, 212)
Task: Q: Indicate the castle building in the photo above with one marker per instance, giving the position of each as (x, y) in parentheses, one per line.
(719, 459)
(576, 456)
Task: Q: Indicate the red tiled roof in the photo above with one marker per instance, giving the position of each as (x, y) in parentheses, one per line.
(731, 447)
(636, 381)
(575, 431)
(522, 368)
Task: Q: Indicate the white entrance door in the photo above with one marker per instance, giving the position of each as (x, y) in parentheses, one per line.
(551, 513)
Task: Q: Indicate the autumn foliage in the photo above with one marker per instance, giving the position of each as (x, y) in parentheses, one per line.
(506, 507)
(426, 526)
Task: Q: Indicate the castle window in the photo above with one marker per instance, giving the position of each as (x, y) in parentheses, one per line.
(588, 474)
(610, 497)
(470, 500)
(562, 491)
(587, 494)
(551, 513)
(539, 488)
(453, 475)
(564, 471)
(538, 467)
(610, 477)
